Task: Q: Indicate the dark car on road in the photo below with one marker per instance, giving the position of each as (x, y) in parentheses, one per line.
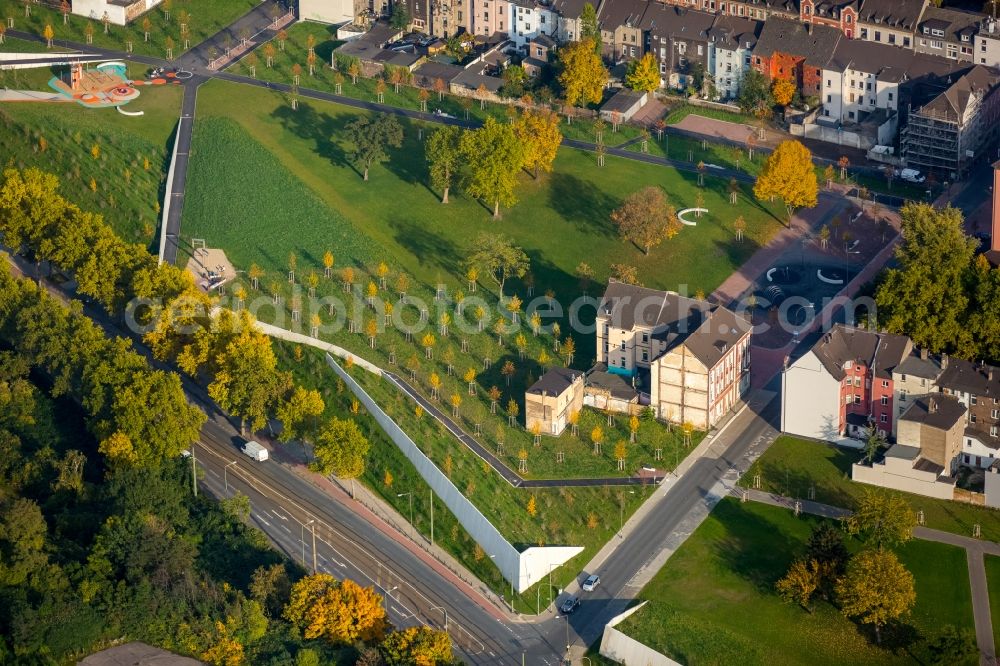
(571, 604)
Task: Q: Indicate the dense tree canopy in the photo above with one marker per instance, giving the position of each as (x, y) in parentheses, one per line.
(925, 296)
(643, 74)
(493, 156)
(582, 75)
(499, 257)
(789, 175)
(646, 218)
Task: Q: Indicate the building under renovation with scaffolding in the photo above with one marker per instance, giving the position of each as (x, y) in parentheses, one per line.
(956, 128)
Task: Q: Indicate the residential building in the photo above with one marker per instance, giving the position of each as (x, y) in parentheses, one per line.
(731, 43)
(325, 11)
(861, 84)
(549, 402)
(915, 376)
(620, 22)
(947, 32)
(679, 38)
(529, 19)
(449, 17)
(752, 9)
(954, 130)
(841, 15)
(892, 22)
(568, 18)
(799, 52)
(693, 356)
(925, 455)
(119, 12)
(624, 104)
(986, 49)
(490, 16)
(977, 387)
(843, 384)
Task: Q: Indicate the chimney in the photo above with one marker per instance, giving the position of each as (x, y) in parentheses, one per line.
(944, 361)
(923, 353)
(931, 405)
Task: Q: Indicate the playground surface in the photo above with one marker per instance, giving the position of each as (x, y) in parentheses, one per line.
(210, 267)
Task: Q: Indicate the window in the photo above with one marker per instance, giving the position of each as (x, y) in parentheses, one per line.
(829, 83)
(937, 33)
(623, 345)
(700, 50)
(892, 38)
(864, 33)
(857, 399)
(968, 443)
(972, 418)
(885, 383)
(906, 41)
(885, 400)
(878, 35)
(829, 99)
(645, 337)
(847, 20)
(936, 44)
(973, 400)
(995, 413)
(884, 418)
(847, 399)
(645, 356)
(857, 381)
(890, 97)
(993, 431)
(902, 397)
(965, 38)
(623, 361)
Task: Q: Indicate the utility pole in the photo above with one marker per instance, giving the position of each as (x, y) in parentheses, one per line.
(194, 473)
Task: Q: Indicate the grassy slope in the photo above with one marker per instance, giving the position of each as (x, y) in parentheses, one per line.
(714, 601)
(207, 18)
(560, 219)
(791, 465)
(993, 584)
(71, 131)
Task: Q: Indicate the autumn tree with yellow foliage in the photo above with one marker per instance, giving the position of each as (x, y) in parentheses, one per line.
(538, 131)
(582, 75)
(417, 646)
(340, 612)
(876, 590)
(789, 175)
(783, 91)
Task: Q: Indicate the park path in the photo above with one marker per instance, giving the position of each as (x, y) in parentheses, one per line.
(975, 549)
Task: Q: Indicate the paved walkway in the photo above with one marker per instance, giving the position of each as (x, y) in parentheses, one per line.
(974, 550)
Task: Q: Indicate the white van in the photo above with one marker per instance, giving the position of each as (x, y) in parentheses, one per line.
(255, 451)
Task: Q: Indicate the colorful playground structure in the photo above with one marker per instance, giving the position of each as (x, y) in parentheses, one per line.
(107, 84)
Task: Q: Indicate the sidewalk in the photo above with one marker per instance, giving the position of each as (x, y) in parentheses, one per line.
(974, 549)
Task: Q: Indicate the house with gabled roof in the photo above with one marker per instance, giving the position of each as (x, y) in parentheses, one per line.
(691, 357)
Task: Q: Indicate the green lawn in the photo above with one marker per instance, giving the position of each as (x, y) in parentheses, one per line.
(714, 600)
(15, 45)
(560, 218)
(127, 193)
(993, 584)
(790, 466)
(206, 18)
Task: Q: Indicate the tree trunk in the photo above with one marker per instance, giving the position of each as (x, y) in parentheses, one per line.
(366, 175)
(444, 197)
(496, 212)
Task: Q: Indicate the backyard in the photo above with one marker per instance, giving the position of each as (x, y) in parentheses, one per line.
(122, 179)
(714, 601)
(205, 18)
(791, 466)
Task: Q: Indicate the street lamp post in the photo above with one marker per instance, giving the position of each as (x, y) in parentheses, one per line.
(566, 617)
(388, 595)
(445, 611)
(302, 541)
(621, 512)
(225, 474)
(194, 473)
(410, 495)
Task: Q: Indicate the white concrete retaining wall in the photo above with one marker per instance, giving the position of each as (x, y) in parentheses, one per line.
(303, 339)
(620, 648)
(523, 569)
(168, 196)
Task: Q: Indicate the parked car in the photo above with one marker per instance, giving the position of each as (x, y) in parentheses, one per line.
(589, 585)
(912, 176)
(569, 605)
(255, 451)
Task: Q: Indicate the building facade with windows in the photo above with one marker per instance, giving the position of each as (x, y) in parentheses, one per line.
(947, 32)
(693, 356)
(843, 384)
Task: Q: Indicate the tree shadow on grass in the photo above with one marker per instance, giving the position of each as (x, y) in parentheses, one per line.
(581, 203)
(320, 128)
(754, 548)
(421, 242)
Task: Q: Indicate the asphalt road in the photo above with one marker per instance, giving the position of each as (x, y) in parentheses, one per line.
(184, 131)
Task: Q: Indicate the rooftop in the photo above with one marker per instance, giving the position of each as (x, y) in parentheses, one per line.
(841, 345)
(974, 378)
(623, 100)
(815, 43)
(616, 385)
(935, 410)
(917, 366)
(555, 381)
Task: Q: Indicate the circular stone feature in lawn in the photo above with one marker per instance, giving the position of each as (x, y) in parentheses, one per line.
(681, 214)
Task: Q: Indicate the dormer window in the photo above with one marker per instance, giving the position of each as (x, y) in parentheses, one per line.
(965, 38)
